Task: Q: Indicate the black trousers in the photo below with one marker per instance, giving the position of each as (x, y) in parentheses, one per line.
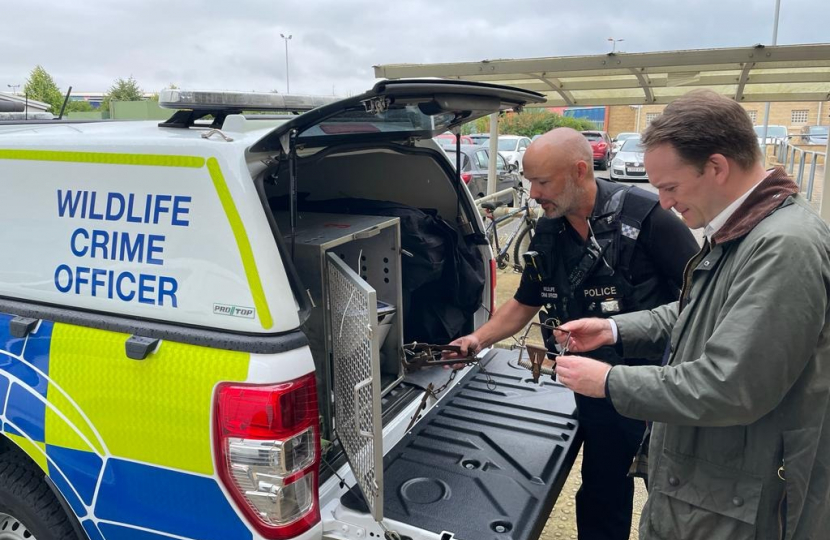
(604, 501)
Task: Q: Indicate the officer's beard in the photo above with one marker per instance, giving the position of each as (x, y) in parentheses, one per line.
(566, 203)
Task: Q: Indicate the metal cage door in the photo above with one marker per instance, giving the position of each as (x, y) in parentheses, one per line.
(357, 384)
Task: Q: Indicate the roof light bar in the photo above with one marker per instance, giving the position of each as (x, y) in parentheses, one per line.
(252, 101)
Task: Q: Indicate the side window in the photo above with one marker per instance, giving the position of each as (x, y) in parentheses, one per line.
(465, 163)
(482, 160)
(501, 164)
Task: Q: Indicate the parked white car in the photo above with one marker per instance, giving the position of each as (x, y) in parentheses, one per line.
(513, 148)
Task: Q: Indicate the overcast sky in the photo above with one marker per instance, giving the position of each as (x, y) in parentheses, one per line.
(236, 44)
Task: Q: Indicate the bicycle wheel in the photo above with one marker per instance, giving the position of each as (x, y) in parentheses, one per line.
(522, 245)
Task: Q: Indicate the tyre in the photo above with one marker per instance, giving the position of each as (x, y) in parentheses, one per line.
(522, 245)
(603, 165)
(29, 510)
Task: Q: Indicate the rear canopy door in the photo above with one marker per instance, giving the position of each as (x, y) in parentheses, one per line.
(399, 110)
(391, 111)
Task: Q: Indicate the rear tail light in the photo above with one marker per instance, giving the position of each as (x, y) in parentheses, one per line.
(601, 145)
(268, 453)
(466, 177)
(492, 287)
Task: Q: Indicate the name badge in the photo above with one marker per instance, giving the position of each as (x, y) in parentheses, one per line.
(549, 293)
(610, 306)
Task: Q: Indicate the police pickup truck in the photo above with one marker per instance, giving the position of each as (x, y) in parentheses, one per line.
(204, 325)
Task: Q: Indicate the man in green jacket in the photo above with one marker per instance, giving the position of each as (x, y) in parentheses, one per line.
(740, 445)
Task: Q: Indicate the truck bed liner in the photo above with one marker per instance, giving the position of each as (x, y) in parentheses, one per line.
(486, 462)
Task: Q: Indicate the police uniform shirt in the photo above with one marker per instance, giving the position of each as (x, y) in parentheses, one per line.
(663, 247)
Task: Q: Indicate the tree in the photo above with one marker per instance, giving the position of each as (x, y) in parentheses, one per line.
(40, 86)
(122, 90)
(532, 121)
(78, 106)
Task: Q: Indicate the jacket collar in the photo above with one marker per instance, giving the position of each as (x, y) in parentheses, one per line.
(770, 194)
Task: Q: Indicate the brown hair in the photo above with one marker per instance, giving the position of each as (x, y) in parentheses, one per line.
(702, 123)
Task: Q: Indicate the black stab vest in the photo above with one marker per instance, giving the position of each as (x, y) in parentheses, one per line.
(617, 220)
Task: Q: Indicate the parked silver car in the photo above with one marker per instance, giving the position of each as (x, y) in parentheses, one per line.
(618, 141)
(475, 162)
(775, 134)
(628, 164)
(814, 135)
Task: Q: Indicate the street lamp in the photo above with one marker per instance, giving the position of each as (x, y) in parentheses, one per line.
(287, 84)
(14, 88)
(614, 44)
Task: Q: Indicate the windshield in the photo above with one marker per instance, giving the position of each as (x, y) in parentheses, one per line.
(508, 145)
(632, 145)
(777, 132)
(818, 130)
(625, 136)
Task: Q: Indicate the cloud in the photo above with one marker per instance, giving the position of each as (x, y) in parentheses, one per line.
(237, 46)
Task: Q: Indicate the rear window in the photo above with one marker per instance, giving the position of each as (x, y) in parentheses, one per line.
(508, 145)
(592, 136)
(404, 119)
(465, 161)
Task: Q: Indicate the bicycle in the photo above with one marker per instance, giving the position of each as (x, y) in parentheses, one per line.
(521, 235)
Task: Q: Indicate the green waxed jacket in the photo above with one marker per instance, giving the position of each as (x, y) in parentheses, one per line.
(740, 447)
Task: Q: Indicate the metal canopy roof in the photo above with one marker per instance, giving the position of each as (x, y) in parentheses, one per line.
(747, 74)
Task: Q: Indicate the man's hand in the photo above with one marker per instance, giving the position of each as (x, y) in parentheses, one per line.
(469, 344)
(584, 376)
(586, 334)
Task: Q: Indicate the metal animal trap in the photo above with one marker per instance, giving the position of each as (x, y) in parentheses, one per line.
(532, 357)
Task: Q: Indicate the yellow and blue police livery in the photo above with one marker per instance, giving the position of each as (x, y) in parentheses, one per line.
(132, 460)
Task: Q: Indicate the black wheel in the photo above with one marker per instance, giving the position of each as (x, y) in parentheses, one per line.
(522, 245)
(605, 163)
(29, 510)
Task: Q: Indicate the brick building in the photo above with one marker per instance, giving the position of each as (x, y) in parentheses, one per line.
(792, 115)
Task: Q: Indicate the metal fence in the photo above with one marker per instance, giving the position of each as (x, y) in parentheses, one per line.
(801, 164)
